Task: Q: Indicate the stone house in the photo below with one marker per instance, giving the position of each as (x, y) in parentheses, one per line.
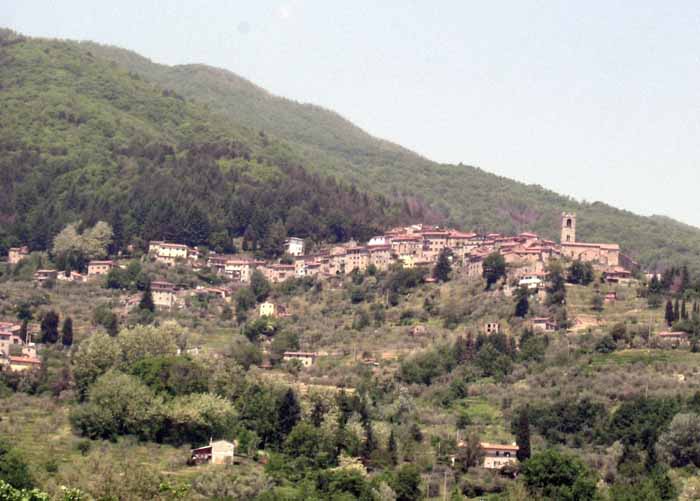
(406, 244)
(492, 328)
(380, 256)
(218, 452)
(99, 268)
(496, 456)
(239, 270)
(542, 324)
(673, 339)
(8, 340)
(294, 246)
(23, 363)
(474, 266)
(16, 254)
(267, 309)
(164, 294)
(434, 242)
(41, 276)
(356, 258)
(276, 273)
(306, 358)
(170, 253)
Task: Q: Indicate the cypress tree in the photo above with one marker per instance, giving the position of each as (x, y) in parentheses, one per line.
(669, 313)
(146, 302)
(684, 311)
(288, 414)
(522, 434)
(676, 310)
(370, 443)
(67, 332)
(23, 331)
(49, 327)
(393, 449)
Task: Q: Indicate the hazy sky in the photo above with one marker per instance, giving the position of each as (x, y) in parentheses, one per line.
(596, 99)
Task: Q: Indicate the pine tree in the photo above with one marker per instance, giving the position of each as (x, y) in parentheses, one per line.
(67, 332)
(522, 434)
(443, 268)
(146, 302)
(49, 327)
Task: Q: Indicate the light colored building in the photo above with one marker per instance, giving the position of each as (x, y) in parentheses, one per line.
(294, 246)
(496, 456)
(307, 359)
(24, 363)
(170, 253)
(239, 270)
(16, 254)
(164, 294)
(8, 340)
(268, 309)
(41, 276)
(492, 328)
(531, 282)
(218, 452)
(98, 268)
(276, 273)
(674, 338)
(542, 324)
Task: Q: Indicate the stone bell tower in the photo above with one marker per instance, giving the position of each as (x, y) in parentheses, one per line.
(568, 227)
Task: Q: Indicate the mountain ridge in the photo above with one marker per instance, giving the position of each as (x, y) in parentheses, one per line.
(461, 195)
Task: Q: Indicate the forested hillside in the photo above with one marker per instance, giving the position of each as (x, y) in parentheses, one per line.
(82, 139)
(468, 197)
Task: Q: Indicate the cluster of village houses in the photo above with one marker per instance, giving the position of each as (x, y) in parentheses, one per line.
(412, 246)
(16, 354)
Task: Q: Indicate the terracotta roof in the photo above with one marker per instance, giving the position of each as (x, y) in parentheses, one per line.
(501, 447)
(25, 360)
(673, 334)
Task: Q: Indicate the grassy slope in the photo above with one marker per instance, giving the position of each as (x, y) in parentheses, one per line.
(470, 196)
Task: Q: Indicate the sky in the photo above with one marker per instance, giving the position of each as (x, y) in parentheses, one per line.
(598, 100)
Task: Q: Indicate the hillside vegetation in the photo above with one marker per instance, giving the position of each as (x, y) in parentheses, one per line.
(83, 139)
(465, 196)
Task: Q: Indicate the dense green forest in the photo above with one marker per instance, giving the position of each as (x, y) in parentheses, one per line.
(82, 139)
(465, 196)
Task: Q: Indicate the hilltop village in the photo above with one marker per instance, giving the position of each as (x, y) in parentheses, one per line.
(415, 246)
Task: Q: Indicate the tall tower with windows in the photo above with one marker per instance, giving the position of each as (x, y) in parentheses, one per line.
(568, 227)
